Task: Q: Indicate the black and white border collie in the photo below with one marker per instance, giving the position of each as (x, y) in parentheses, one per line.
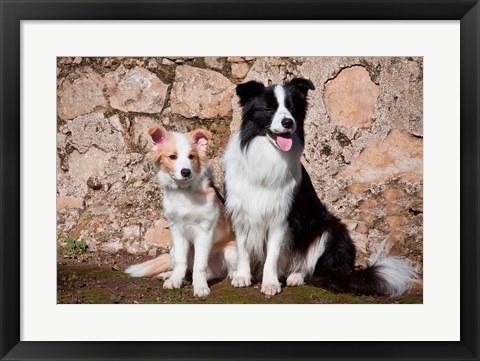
(279, 221)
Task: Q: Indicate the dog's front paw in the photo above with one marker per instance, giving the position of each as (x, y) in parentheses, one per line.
(271, 289)
(202, 291)
(172, 283)
(242, 281)
(295, 279)
(164, 275)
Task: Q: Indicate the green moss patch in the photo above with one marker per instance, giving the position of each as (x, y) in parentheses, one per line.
(87, 284)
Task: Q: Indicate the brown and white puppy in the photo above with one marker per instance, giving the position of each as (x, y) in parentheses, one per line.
(194, 210)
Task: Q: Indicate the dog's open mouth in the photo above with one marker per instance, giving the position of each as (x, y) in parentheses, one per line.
(282, 140)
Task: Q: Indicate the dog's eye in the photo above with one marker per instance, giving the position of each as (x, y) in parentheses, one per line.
(172, 156)
(191, 156)
(270, 110)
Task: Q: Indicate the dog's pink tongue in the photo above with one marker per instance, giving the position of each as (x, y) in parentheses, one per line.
(284, 143)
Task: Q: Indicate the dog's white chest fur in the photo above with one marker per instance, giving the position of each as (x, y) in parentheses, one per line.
(259, 183)
(189, 211)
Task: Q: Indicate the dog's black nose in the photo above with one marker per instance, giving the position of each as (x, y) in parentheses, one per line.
(185, 172)
(287, 123)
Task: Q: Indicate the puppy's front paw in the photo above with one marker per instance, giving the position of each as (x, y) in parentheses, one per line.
(295, 279)
(164, 275)
(242, 281)
(172, 283)
(203, 291)
(271, 289)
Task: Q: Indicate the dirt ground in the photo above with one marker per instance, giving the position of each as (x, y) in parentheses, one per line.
(99, 279)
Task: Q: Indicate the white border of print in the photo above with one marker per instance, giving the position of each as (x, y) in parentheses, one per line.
(438, 319)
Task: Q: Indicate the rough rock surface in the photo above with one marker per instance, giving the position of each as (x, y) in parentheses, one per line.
(363, 151)
(135, 90)
(158, 237)
(239, 71)
(139, 132)
(93, 130)
(399, 155)
(350, 98)
(92, 162)
(215, 62)
(80, 93)
(67, 202)
(201, 93)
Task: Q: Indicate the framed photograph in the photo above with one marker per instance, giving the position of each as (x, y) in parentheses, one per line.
(199, 178)
(110, 182)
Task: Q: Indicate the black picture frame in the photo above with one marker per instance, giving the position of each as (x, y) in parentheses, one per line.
(13, 12)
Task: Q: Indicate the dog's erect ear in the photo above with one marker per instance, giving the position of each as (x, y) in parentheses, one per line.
(303, 85)
(249, 90)
(200, 138)
(158, 135)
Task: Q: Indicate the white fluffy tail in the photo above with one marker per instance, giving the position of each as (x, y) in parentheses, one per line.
(397, 273)
(151, 268)
(389, 276)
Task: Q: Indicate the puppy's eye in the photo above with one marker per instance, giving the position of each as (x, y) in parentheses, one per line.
(172, 156)
(191, 156)
(270, 110)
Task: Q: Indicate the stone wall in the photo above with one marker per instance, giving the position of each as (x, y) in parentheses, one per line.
(364, 142)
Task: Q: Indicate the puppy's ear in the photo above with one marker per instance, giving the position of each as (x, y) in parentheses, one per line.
(158, 135)
(301, 84)
(200, 138)
(249, 90)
